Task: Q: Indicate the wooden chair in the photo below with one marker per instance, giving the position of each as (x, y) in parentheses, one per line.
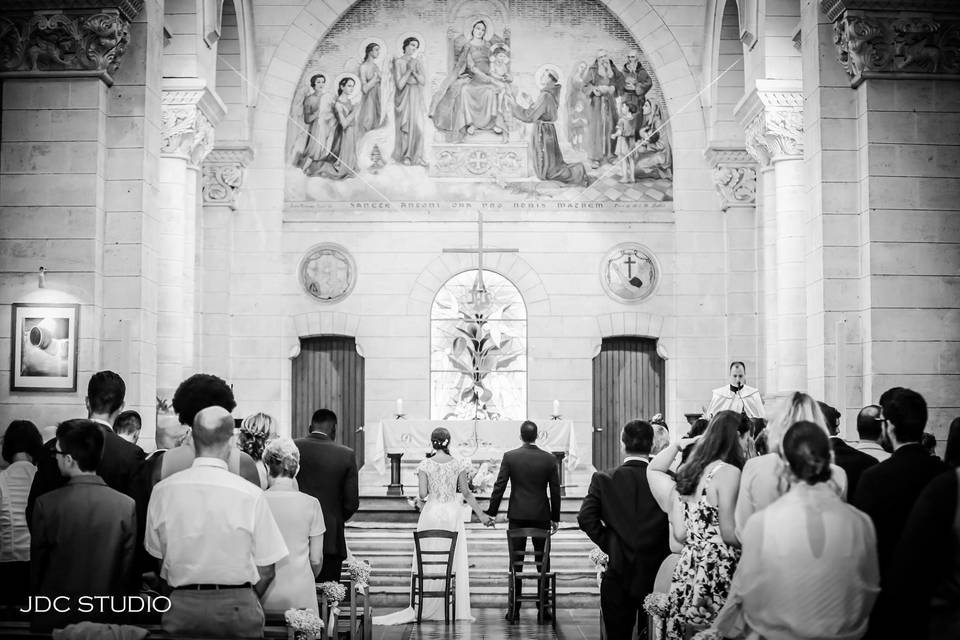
(434, 558)
(355, 619)
(546, 597)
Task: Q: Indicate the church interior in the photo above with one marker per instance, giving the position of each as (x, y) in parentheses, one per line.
(473, 213)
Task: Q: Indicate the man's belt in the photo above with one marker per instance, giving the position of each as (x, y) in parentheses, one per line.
(213, 587)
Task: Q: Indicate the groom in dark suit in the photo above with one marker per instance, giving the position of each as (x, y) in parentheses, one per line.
(529, 470)
(328, 472)
(622, 517)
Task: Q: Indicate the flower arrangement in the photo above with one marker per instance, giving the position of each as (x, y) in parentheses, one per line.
(359, 572)
(333, 593)
(708, 634)
(657, 604)
(483, 476)
(599, 560)
(302, 624)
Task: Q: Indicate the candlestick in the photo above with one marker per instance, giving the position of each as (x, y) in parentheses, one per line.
(399, 406)
(556, 407)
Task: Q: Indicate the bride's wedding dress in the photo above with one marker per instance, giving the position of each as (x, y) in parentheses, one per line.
(443, 510)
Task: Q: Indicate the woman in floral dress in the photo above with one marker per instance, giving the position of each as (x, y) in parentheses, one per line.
(703, 518)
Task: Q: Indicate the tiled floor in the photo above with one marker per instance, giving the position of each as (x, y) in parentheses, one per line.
(572, 624)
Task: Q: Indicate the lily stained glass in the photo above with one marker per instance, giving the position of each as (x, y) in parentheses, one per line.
(478, 349)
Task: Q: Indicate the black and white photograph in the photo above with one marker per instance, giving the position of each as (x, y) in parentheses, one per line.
(480, 319)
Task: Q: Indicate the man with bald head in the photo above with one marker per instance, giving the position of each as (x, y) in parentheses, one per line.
(869, 429)
(215, 537)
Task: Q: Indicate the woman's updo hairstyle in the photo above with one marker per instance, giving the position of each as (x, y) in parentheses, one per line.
(282, 458)
(440, 441)
(807, 450)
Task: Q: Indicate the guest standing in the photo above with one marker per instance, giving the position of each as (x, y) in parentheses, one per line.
(622, 517)
(215, 538)
(952, 453)
(809, 563)
(852, 461)
(301, 522)
(328, 472)
(703, 518)
(764, 478)
(22, 445)
(255, 430)
(869, 426)
(120, 459)
(84, 533)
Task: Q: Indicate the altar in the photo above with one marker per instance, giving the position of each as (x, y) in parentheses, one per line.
(479, 441)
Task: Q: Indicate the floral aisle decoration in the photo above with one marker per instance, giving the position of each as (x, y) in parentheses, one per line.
(657, 606)
(359, 572)
(333, 594)
(303, 624)
(600, 561)
(707, 634)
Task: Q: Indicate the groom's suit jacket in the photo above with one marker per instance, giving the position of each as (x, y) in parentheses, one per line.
(621, 516)
(529, 470)
(328, 472)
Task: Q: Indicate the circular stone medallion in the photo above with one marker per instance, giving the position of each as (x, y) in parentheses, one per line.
(629, 272)
(328, 272)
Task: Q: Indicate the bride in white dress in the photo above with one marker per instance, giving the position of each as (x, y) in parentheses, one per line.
(444, 486)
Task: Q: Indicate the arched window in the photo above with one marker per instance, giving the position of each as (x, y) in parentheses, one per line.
(478, 349)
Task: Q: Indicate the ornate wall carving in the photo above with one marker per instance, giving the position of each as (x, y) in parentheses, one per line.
(773, 124)
(222, 175)
(38, 37)
(735, 176)
(187, 122)
(873, 38)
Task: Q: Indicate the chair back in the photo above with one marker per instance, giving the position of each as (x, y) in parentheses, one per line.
(432, 553)
(518, 555)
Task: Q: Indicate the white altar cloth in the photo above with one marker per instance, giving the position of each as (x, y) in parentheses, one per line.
(477, 440)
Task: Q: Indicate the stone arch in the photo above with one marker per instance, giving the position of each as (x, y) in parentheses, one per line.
(235, 70)
(509, 265)
(677, 81)
(633, 323)
(322, 323)
(724, 47)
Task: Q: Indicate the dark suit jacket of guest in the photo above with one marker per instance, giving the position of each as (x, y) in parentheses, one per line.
(622, 517)
(530, 471)
(328, 472)
(853, 461)
(120, 461)
(82, 542)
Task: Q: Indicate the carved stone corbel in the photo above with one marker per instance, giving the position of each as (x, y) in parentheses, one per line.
(188, 118)
(734, 175)
(222, 174)
(772, 119)
(65, 38)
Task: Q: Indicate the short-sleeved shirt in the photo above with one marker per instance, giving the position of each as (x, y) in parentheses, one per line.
(209, 526)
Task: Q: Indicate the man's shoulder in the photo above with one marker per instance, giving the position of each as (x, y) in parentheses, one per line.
(194, 476)
(123, 447)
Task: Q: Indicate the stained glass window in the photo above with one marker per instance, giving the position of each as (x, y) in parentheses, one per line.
(478, 349)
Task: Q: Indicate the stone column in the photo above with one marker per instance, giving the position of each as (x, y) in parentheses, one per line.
(768, 279)
(882, 82)
(222, 177)
(735, 176)
(75, 184)
(773, 121)
(190, 113)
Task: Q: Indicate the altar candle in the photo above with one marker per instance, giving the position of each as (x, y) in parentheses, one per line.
(399, 406)
(556, 407)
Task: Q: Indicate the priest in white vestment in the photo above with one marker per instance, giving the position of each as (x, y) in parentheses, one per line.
(737, 396)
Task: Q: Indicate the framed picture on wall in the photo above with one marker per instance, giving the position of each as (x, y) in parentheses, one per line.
(44, 347)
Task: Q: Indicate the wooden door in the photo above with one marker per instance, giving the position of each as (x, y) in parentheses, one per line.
(328, 374)
(627, 385)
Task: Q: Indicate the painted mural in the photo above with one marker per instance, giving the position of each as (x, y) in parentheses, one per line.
(524, 101)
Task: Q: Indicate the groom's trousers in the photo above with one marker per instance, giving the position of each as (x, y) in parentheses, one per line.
(621, 611)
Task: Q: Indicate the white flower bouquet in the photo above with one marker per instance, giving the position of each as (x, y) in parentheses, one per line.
(483, 476)
(657, 604)
(359, 572)
(302, 624)
(333, 593)
(707, 634)
(599, 560)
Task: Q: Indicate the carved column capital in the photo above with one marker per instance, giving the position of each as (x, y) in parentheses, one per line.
(188, 117)
(772, 119)
(734, 175)
(878, 38)
(222, 174)
(64, 38)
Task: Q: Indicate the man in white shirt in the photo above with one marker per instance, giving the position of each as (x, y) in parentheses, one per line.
(737, 396)
(869, 428)
(216, 539)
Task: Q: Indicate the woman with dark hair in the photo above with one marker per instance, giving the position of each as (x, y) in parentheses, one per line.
(370, 116)
(706, 486)
(952, 453)
(809, 566)
(22, 445)
(444, 485)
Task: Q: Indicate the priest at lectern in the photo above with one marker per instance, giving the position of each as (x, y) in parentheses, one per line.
(737, 396)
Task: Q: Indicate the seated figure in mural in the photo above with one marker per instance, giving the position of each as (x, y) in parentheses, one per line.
(470, 97)
(341, 162)
(548, 162)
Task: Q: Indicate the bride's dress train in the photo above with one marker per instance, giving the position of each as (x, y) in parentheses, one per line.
(443, 510)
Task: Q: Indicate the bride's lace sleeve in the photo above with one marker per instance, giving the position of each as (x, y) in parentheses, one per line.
(423, 466)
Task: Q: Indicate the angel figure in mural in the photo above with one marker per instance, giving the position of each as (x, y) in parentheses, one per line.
(548, 162)
(409, 104)
(470, 97)
(341, 162)
(371, 111)
(600, 86)
(636, 84)
(319, 120)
